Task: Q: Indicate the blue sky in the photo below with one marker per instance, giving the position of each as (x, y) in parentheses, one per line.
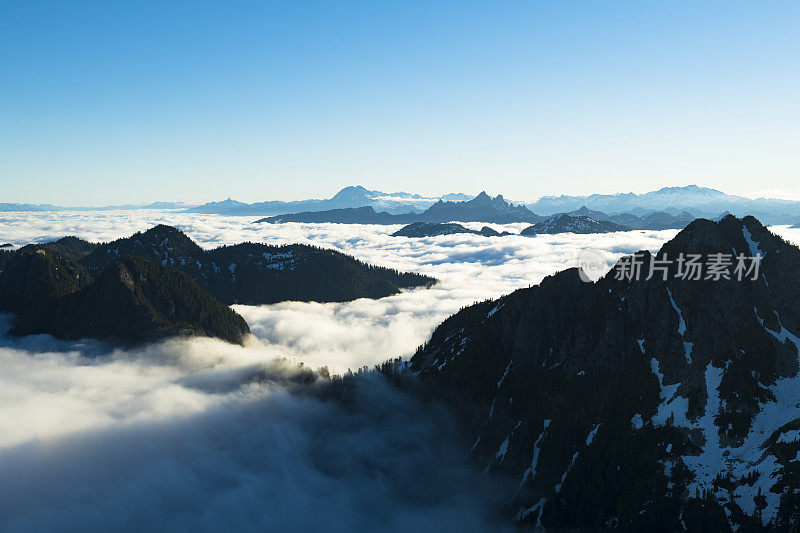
(112, 102)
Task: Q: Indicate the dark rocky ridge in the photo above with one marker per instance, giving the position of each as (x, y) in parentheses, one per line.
(132, 300)
(251, 273)
(482, 208)
(655, 220)
(430, 229)
(564, 223)
(70, 246)
(644, 405)
(346, 215)
(33, 282)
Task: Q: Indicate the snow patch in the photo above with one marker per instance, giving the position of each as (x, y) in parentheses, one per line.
(496, 308)
(687, 346)
(789, 437)
(755, 247)
(523, 513)
(530, 473)
(672, 405)
(564, 476)
(681, 322)
(502, 450)
(592, 433)
(508, 366)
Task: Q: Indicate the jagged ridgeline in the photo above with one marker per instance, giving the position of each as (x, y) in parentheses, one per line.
(647, 405)
(132, 300)
(251, 273)
(564, 223)
(426, 229)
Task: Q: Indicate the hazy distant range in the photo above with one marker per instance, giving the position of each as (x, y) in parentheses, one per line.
(699, 201)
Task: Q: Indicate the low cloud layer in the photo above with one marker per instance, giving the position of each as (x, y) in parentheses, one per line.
(202, 435)
(364, 332)
(197, 435)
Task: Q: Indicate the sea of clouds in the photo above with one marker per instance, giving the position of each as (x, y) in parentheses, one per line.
(201, 435)
(469, 268)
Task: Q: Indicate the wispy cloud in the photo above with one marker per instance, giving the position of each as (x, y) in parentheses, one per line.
(197, 435)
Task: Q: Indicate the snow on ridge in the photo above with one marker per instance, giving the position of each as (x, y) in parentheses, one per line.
(564, 476)
(496, 308)
(749, 457)
(681, 322)
(592, 434)
(530, 472)
(784, 334)
(508, 366)
(755, 248)
(671, 404)
(522, 513)
(502, 450)
(789, 437)
(687, 346)
(736, 461)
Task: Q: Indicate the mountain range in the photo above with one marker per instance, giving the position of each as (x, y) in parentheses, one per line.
(643, 403)
(131, 300)
(697, 202)
(250, 273)
(484, 208)
(161, 206)
(701, 202)
(649, 220)
(349, 197)
(427, 229)
(161, 283)
(564, 223)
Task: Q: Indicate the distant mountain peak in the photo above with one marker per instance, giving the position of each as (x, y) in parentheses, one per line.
(690, 189)
(698, 201)
(354, 192)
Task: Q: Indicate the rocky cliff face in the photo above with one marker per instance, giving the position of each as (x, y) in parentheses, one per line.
(482, 208)
(638, 403)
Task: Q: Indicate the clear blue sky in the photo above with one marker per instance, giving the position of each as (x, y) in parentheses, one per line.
(110, 102)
